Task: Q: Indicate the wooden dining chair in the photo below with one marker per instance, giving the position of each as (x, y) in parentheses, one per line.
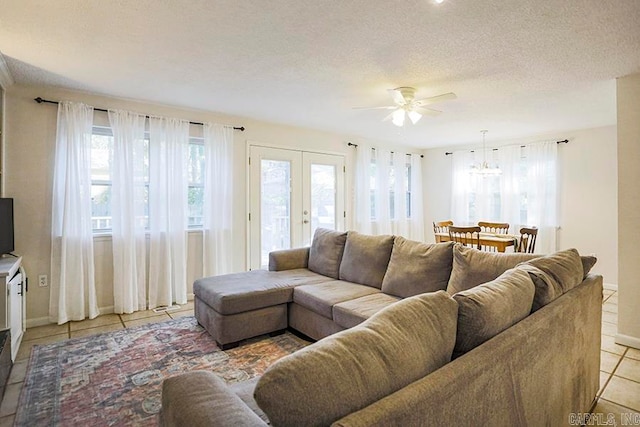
(528, 237)
(468, 236)
(494, 227)
(441, 227)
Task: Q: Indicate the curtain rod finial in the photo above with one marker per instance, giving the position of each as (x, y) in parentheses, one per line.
(39, 100)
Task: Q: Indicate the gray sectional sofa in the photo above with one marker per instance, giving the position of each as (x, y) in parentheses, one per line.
(409, 334)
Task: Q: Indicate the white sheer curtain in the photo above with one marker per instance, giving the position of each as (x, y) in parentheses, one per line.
(73, 294)
(525, 194)
(168, 155)
(128, 177)
(218, 200)
(416, 228)
(363, 189)
(388, 193)
(461, 162)
(382, 219)
(541, 188)
(511, 182)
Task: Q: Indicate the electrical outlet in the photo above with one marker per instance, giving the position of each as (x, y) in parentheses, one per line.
(42, 281)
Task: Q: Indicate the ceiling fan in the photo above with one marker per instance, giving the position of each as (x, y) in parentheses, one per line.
(407, 105)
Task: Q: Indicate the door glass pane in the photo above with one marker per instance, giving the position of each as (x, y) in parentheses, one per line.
(323, 197)
(275, 207)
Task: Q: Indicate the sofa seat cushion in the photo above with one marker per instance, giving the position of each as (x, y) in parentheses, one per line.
(353, 312)
(472, 267)
(365, 258)
(321, 298)
(416, 268)
(240, 292)
(326, 252)
(488, 309)
(352, 369)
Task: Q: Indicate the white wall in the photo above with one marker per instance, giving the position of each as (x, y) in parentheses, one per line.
(628, 103)
(30, 142)
(588, 197)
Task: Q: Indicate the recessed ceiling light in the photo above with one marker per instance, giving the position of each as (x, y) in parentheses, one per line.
(439, 1)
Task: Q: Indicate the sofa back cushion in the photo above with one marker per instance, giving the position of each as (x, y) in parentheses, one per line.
(490, 308)
(326, 252)
(472, 267)
(352, 369)
(415, 268)
(365, 258)
(547, 289)
(564, 268)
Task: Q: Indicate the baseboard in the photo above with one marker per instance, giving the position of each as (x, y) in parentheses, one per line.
(38, 321)
(43, 321)
(628, 341)
(611, 286)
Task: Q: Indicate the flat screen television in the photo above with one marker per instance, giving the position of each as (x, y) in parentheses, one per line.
(6, 226)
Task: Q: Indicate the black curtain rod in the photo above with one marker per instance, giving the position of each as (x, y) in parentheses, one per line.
(40, 101)
(564, 141)
(351, 144)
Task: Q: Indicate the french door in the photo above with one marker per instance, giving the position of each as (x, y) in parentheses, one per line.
(291, 193)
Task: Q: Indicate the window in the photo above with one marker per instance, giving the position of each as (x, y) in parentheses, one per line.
(195, 171)
(101, 158)
(392, 187)
(510, 196)
(101, 181)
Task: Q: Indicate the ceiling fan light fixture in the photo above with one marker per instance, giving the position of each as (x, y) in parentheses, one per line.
(398, 117)
(414, 116)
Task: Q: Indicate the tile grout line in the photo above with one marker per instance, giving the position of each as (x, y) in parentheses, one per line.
(610, 375)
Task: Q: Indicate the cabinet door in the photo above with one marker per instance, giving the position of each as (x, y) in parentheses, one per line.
(15, 313)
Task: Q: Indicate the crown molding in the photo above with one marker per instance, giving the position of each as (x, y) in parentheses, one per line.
(5, 76)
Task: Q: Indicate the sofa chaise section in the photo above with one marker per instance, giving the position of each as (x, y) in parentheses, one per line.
(238, 306)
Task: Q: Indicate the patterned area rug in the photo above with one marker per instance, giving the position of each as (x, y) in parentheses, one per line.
(115, 378)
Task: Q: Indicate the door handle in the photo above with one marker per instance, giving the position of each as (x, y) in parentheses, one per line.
(306, 221)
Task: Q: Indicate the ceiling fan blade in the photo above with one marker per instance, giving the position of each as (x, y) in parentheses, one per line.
(439, 98)
(427, 111)
(414, 116)
(388, 117)
(386, 107)
(397, 96)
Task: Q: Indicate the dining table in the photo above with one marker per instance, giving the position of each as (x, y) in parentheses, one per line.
(500, 241)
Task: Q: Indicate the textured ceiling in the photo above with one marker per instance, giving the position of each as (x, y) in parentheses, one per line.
(519, 67)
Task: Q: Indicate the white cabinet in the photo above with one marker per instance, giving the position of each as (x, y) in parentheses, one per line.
(12, 301)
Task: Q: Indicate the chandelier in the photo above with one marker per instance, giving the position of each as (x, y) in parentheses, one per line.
(484, 168)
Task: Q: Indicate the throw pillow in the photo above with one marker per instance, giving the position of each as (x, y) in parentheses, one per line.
(365, 258)
(490, 308)
(416, 268)
(352, 369)
(588, 261)
(563, 267)
(472, 267)
(326, 252)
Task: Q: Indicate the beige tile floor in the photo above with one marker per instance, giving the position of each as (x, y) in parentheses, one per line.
(618, 397)
(54, 333)
(619, 394)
